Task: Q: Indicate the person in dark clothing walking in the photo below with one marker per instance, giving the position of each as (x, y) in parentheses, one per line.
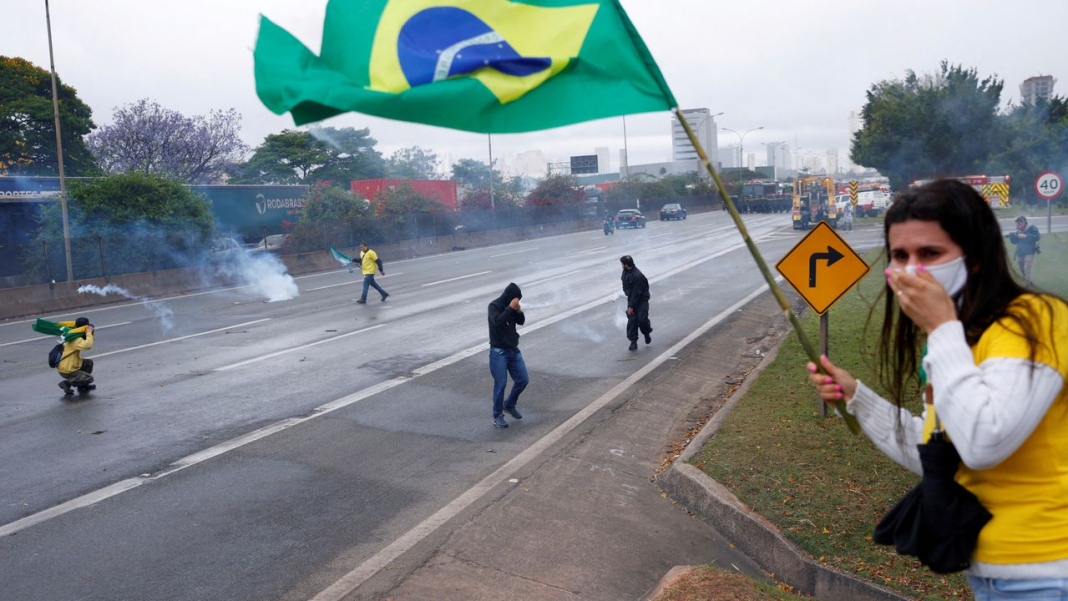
(1025, 239)
(636, 289)
(505, 314)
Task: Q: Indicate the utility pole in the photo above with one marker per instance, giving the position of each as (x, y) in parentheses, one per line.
(59, 150)
(489, 138)
(626, 152)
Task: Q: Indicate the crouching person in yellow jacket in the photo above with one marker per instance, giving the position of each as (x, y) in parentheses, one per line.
(75, 370)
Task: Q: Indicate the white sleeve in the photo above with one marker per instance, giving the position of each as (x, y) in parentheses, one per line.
(895, 431)
(988, 410)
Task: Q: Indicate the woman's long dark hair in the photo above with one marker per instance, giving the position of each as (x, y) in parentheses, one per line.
(988, 295)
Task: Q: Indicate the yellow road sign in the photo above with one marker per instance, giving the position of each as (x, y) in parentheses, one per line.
(822, 267)
(854, 190)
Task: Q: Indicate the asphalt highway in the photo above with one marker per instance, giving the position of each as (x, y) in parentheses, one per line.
(263, 450)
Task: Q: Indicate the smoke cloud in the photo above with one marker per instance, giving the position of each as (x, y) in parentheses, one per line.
(263, 272)
(163, 313)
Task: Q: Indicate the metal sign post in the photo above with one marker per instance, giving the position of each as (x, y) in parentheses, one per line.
(1049, 185)
(825, 334)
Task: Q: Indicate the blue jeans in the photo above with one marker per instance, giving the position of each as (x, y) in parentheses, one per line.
(369, 282)
(1003, 589)
(504, 361)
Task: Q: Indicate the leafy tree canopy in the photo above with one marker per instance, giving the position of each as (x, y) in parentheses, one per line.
(319, 154)
(414, 162)
(555, 191)
(941, 124)
(27, 123)
(148, 138)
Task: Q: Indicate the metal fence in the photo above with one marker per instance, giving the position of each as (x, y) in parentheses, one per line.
(30, 262)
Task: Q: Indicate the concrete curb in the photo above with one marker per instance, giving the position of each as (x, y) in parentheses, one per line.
(750, 532)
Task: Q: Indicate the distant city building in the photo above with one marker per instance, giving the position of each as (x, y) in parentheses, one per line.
(531, 163)
(750, 161)
(832, 160)
(777, 153)
(1035, 88)
(855, 123)
(602, 159)
(659, 170)
(730, 157)
(704, 126)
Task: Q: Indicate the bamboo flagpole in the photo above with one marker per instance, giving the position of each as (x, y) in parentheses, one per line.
(776, 290)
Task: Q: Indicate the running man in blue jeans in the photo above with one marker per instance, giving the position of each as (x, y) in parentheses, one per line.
(371, 264)
(505, 314)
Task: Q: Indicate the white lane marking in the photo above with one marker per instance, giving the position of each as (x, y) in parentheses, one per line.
(662, 235)
(552, 278)
(514, 252)
(170, 340)
(43, 337)
(321, 273)
(295, 349)
(463, 277)
(211, 452)
(377, 562)
(582, 252)
(359, 281)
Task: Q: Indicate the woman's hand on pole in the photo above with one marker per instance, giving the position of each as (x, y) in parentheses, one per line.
(836, 385)
(922, 298)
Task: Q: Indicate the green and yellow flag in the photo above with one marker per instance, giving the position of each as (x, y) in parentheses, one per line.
(490, 66)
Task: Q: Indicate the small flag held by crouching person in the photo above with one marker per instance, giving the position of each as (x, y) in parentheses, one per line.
(490, 66)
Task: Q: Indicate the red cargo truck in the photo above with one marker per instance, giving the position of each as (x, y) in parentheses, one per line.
(442, 191)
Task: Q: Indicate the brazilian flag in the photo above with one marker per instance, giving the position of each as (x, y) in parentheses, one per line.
(489, 66)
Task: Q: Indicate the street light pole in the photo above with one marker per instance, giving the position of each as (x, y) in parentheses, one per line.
(741, 142)
(626, 152)
(489, 138)
(59, 150)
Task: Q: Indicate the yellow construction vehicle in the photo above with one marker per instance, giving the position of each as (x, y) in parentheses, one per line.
(814, 202)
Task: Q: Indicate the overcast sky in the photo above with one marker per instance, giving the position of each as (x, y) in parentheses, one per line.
(796, 68)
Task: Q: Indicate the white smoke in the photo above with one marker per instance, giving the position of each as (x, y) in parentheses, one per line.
(263, 272)
(620, 311)
(163, 312)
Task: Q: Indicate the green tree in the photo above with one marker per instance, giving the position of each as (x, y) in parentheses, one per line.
(142, 222)
(941, 124)
(1032, 139)
(556, 191)
(27, 123)
(399, 211)
(414, 162)
(290, 157)
(354, 156)
(471, 174)
(332, 217)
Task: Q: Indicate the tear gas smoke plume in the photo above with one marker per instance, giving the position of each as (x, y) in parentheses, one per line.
(263, 272)
(163, 313)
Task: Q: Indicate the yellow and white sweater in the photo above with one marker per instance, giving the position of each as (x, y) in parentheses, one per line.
(1009, 423)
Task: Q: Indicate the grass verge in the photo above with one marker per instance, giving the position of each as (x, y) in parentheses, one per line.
(823, 487)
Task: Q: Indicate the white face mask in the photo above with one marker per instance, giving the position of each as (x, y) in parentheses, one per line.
(951, 274)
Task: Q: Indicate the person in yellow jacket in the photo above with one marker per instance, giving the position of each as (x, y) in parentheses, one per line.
(996, 364)
(371, 265)
(77, 371)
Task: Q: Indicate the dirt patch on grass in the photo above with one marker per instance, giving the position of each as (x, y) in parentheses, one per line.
(705, 583)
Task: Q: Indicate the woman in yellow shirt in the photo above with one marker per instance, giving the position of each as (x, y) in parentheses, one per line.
(996, 364)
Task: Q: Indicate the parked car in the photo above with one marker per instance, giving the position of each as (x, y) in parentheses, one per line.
(630, 218)
(272, 243)
(672, 211)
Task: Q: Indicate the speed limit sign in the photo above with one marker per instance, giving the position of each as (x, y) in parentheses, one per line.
(1049, 185)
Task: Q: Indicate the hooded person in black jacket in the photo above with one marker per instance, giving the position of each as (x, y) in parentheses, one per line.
(505, 314)
(636, 288)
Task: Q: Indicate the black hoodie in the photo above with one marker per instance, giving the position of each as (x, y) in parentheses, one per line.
(636, 287)
(503, 319)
